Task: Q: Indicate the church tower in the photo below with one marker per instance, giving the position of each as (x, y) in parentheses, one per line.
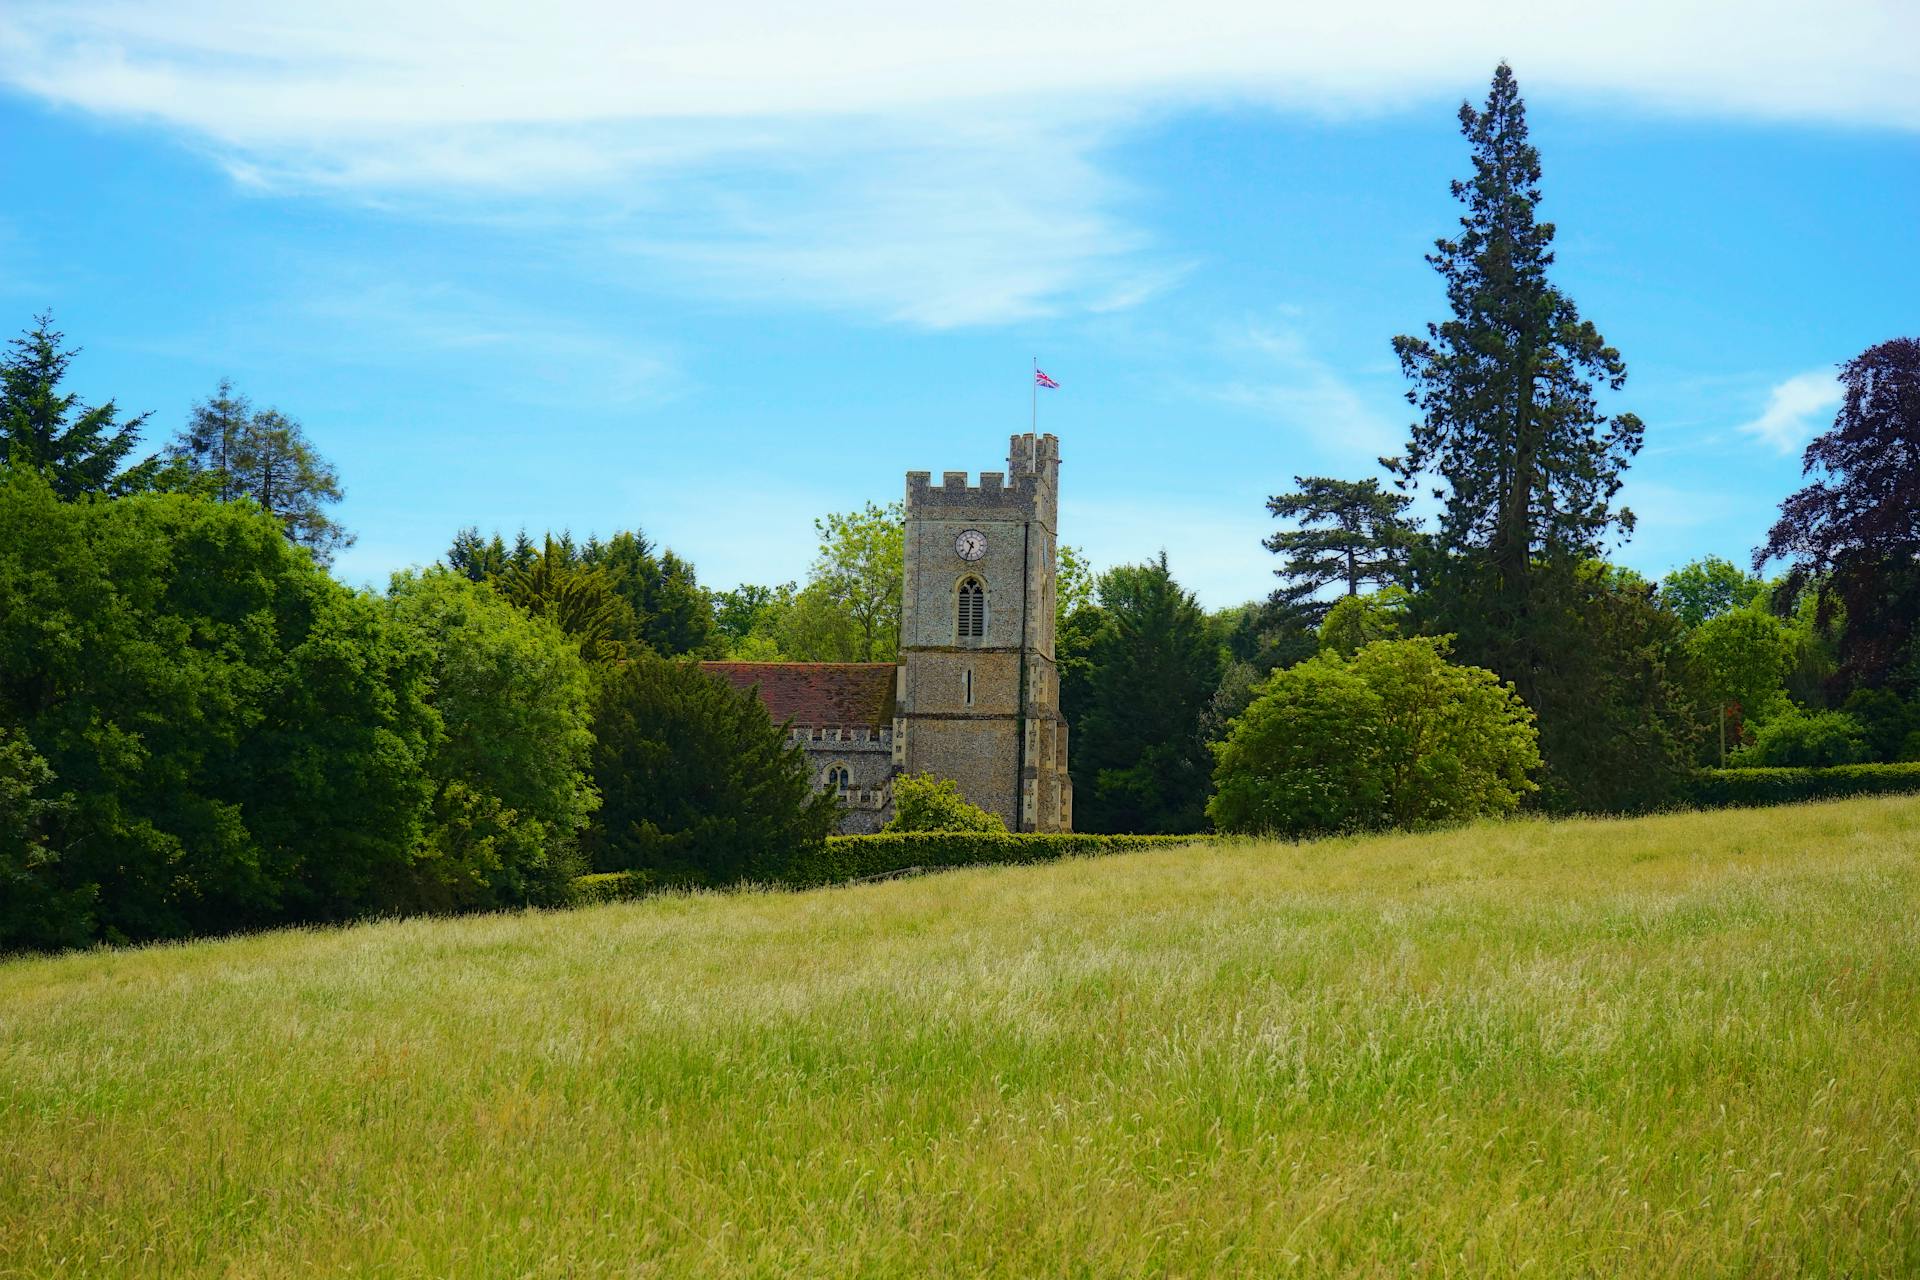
(979, 696)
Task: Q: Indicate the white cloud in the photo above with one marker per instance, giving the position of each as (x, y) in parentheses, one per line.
(1287, 380)
(1789, 419)
(934, 164)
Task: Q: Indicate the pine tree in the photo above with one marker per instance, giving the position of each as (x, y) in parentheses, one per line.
(1523, 460)
(215, 433)
(1349, 531)
(1526, 467)
(78, 449)
(240, 452)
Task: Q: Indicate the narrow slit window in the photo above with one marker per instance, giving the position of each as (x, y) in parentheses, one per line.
(973, 610)
(966, 682)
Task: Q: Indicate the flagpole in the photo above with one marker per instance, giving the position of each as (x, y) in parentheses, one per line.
(1034, 391)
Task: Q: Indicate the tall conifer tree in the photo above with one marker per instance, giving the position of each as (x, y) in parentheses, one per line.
(1511, 438)
(79, 449)
(1509, 432)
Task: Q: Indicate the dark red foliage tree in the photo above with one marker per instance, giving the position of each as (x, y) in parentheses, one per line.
(1853, 535)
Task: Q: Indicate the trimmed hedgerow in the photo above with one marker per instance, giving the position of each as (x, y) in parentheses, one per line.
(843, 859)
(1724, 788)
(609, 886)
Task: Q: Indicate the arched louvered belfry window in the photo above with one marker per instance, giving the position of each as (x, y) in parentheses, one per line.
(972, 618)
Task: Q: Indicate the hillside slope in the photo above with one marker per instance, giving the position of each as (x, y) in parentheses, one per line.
(1675, 1046)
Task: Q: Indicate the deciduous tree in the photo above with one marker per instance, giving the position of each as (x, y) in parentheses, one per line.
(1706, 588)
(1853, 535)
(859, 570)
(509, 762)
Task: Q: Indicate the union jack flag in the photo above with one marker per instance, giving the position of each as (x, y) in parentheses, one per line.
(1040, 379)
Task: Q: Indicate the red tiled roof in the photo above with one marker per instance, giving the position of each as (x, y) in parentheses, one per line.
(820, 695)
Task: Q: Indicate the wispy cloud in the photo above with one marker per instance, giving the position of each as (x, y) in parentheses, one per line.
(1793, 407)
(1281, 375)
(937, 165)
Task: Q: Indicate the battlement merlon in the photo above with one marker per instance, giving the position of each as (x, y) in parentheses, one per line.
(1028, 489)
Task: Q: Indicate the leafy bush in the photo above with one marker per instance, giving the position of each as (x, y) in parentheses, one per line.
(609, 886)
(1394, 736)
(922, 802)
(1722, 788)
(242, 737)
(509, 767)
(1303, 756)
(1796, 738)
(696, 784)
(1887, 719)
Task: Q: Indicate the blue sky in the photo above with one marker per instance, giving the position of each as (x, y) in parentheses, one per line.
(711, 274)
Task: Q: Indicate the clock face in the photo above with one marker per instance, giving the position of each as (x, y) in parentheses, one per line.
(970, 545)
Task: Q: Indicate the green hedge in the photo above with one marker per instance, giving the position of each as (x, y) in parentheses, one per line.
(845, 858)
(1721, 788)
(848, 858)
(609, 886)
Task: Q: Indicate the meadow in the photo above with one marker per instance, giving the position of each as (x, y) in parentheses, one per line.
(1676, 1046)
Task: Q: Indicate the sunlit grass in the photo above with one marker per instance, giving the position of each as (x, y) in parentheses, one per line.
(1679, 1046)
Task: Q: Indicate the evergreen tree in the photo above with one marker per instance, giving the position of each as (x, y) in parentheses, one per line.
(211, 442)
(578, 599)
(263, 455)
(1140, 762)
(1524, 461)
(79, 449)
(1526, 466)
(697, 783)
(476, 558)
(1349, 531)
(672, 615)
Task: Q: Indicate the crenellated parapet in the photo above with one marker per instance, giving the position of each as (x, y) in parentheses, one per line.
(842, 738)
(1029, 486)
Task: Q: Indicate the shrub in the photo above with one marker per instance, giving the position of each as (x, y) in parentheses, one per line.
(1888, 721)
(1722, 788)
(1394, 736)
(609, 886)
(1806, 739)
(696, 783)
(922, 802)
(1303, 756)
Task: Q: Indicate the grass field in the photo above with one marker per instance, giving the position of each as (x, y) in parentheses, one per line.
(1680, 1046)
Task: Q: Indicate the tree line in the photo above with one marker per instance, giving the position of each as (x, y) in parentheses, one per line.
(201, 730)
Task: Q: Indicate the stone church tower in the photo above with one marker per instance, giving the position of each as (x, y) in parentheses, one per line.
(979, 696)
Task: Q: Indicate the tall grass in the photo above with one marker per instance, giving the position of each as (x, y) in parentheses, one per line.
(1679, 1046)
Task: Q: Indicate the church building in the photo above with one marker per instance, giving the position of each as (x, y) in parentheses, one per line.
(975, 695)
